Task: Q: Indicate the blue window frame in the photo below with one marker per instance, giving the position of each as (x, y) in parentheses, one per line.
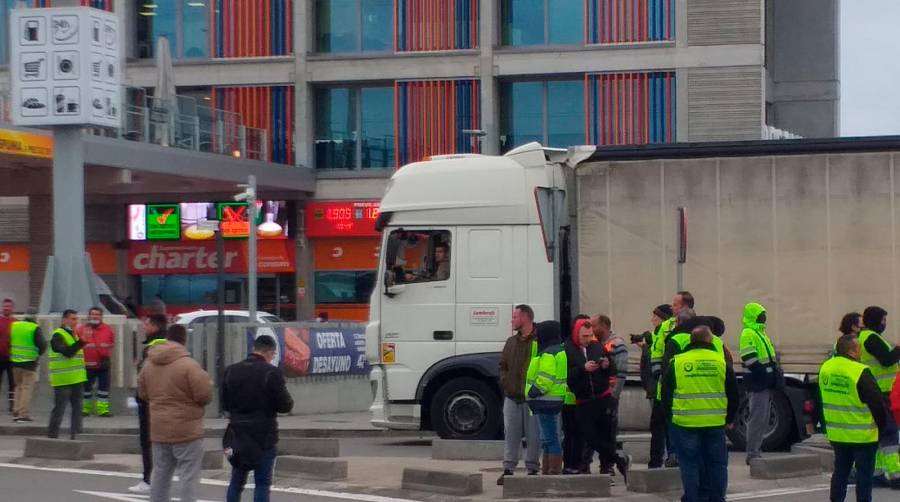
(550, 112)
(354, 127)
(347, 26)
(542, 22)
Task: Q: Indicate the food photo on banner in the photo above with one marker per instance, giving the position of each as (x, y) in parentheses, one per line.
(304, 351)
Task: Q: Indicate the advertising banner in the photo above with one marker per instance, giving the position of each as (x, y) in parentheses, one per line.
(318, 351)
(158, 258)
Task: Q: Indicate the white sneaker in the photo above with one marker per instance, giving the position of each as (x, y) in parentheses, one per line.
(141, 487)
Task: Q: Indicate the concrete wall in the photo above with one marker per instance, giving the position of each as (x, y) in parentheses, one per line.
(803, 62)
(809, 237)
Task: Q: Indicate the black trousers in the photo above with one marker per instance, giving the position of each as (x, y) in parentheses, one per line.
(658, 434)
(62, 396)
(595, 423)
(845, 457)
(573, 442)
(144, 436)
(7, 368)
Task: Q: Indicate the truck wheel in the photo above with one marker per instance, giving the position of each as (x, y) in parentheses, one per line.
(466, 408)
(781, 420)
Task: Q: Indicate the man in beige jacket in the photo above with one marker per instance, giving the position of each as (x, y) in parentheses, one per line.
(177, 389)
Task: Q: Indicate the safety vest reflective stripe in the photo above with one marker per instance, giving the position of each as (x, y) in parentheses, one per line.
(847, 418)
(711, 395)
(715, 412)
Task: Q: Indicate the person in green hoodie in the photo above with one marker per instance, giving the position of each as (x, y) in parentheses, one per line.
(760, 360)
(545, 391)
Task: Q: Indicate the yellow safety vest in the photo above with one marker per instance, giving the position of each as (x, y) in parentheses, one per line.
(699, 399)
(884, 375)
(66, 370)
(847, 418)
(21, 342)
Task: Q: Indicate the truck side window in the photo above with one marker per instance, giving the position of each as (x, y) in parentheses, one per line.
(418, 256)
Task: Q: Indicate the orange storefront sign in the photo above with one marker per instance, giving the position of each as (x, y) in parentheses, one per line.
(103, 257)
(346, 254)
(158, 258)
(26, 143)
(14, 258)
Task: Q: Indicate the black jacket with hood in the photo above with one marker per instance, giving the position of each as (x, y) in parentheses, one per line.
(588, 386)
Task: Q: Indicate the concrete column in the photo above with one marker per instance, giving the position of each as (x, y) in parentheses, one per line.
(68, 281)
(124, 10)
(681, 23)
(490, 113)
(304, 30)
(40, 243)
(304, 274)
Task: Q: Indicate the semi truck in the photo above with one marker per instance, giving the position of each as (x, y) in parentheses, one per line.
(808, 228)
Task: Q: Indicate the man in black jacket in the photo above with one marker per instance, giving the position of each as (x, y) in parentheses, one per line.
(253, 393)
(589, 372)
(155, 327)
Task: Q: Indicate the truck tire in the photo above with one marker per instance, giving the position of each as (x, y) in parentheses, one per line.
(781, 423)
(466, 408)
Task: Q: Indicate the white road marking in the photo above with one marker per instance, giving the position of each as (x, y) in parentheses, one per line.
(777, 492)
(126, 497)
(211, 482)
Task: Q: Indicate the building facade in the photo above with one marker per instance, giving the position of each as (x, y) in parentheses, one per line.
(355, 88)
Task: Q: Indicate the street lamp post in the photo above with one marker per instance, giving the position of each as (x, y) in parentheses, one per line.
(251, 246)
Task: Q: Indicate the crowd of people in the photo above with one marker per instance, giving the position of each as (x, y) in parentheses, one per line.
(562, 396)
(172, 395)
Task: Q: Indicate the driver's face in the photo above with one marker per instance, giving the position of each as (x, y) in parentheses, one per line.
(440, 255)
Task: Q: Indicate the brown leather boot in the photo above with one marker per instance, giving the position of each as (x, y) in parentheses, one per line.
(545, 464)
(556, 462)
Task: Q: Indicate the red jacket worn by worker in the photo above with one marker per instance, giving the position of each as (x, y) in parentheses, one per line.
(98, 344)
(895, 399)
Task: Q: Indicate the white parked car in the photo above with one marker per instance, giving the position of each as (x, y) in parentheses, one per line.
(205, 318)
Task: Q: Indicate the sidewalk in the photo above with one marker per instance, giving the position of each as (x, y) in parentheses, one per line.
(355, 424)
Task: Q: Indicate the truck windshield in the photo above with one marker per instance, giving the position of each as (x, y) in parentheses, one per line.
(417, 256)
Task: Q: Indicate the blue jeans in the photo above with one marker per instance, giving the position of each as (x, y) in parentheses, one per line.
(845, 457)
(550, 433)
(703, 459)
(262, 478)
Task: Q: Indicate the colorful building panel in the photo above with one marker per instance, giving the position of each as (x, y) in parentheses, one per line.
(630, 108)
(251, 28)
(270, 108)
(431, 115)
(627, 21)
(435, 25)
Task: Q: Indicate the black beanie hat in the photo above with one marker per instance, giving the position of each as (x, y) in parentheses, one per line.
(872, 318)
(663, 311)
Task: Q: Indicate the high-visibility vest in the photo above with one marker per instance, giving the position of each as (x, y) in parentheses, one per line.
(847, 418)
(66, 370)
(549, 372)
(159, 341)
(658, 345)
(21, 342)
(682, 340)
(884, 375)
(699, 398)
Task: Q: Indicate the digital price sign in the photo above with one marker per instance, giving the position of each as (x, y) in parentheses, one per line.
(342, 219)
(163, 222)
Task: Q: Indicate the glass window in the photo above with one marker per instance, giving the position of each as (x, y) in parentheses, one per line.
(377, 127)
(377, 16)
(542, 22)
(565, 22)
(418, 256)
(521, 113)
(565, 113)
(5, 6)
(337, 26)
(344, 287)
(195, 29)
(188, 289)
(550, 112)
(354, 127)
(522, 22)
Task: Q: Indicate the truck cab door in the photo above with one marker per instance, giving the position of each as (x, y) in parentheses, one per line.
(417, 304)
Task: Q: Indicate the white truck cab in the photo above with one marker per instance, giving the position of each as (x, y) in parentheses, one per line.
(465, 238)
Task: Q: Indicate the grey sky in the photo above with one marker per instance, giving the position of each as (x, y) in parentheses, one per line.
(870, 67)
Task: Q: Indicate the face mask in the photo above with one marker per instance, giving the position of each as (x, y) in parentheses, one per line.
(761, 319)
(94, 322)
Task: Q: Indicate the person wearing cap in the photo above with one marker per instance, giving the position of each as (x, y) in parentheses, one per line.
(27, 344)
(659, 442)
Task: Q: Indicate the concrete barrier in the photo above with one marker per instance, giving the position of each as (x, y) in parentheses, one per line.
(309, 447)
(826, 456)
(639, 451)
(643, 480)
(537, 487)
(446, 482)
(213, 459)
(113, 444)
(324, 469)
(459, 449)
(785, 466)
(59, 449)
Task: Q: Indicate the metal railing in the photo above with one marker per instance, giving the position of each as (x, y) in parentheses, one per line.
(180, 123)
